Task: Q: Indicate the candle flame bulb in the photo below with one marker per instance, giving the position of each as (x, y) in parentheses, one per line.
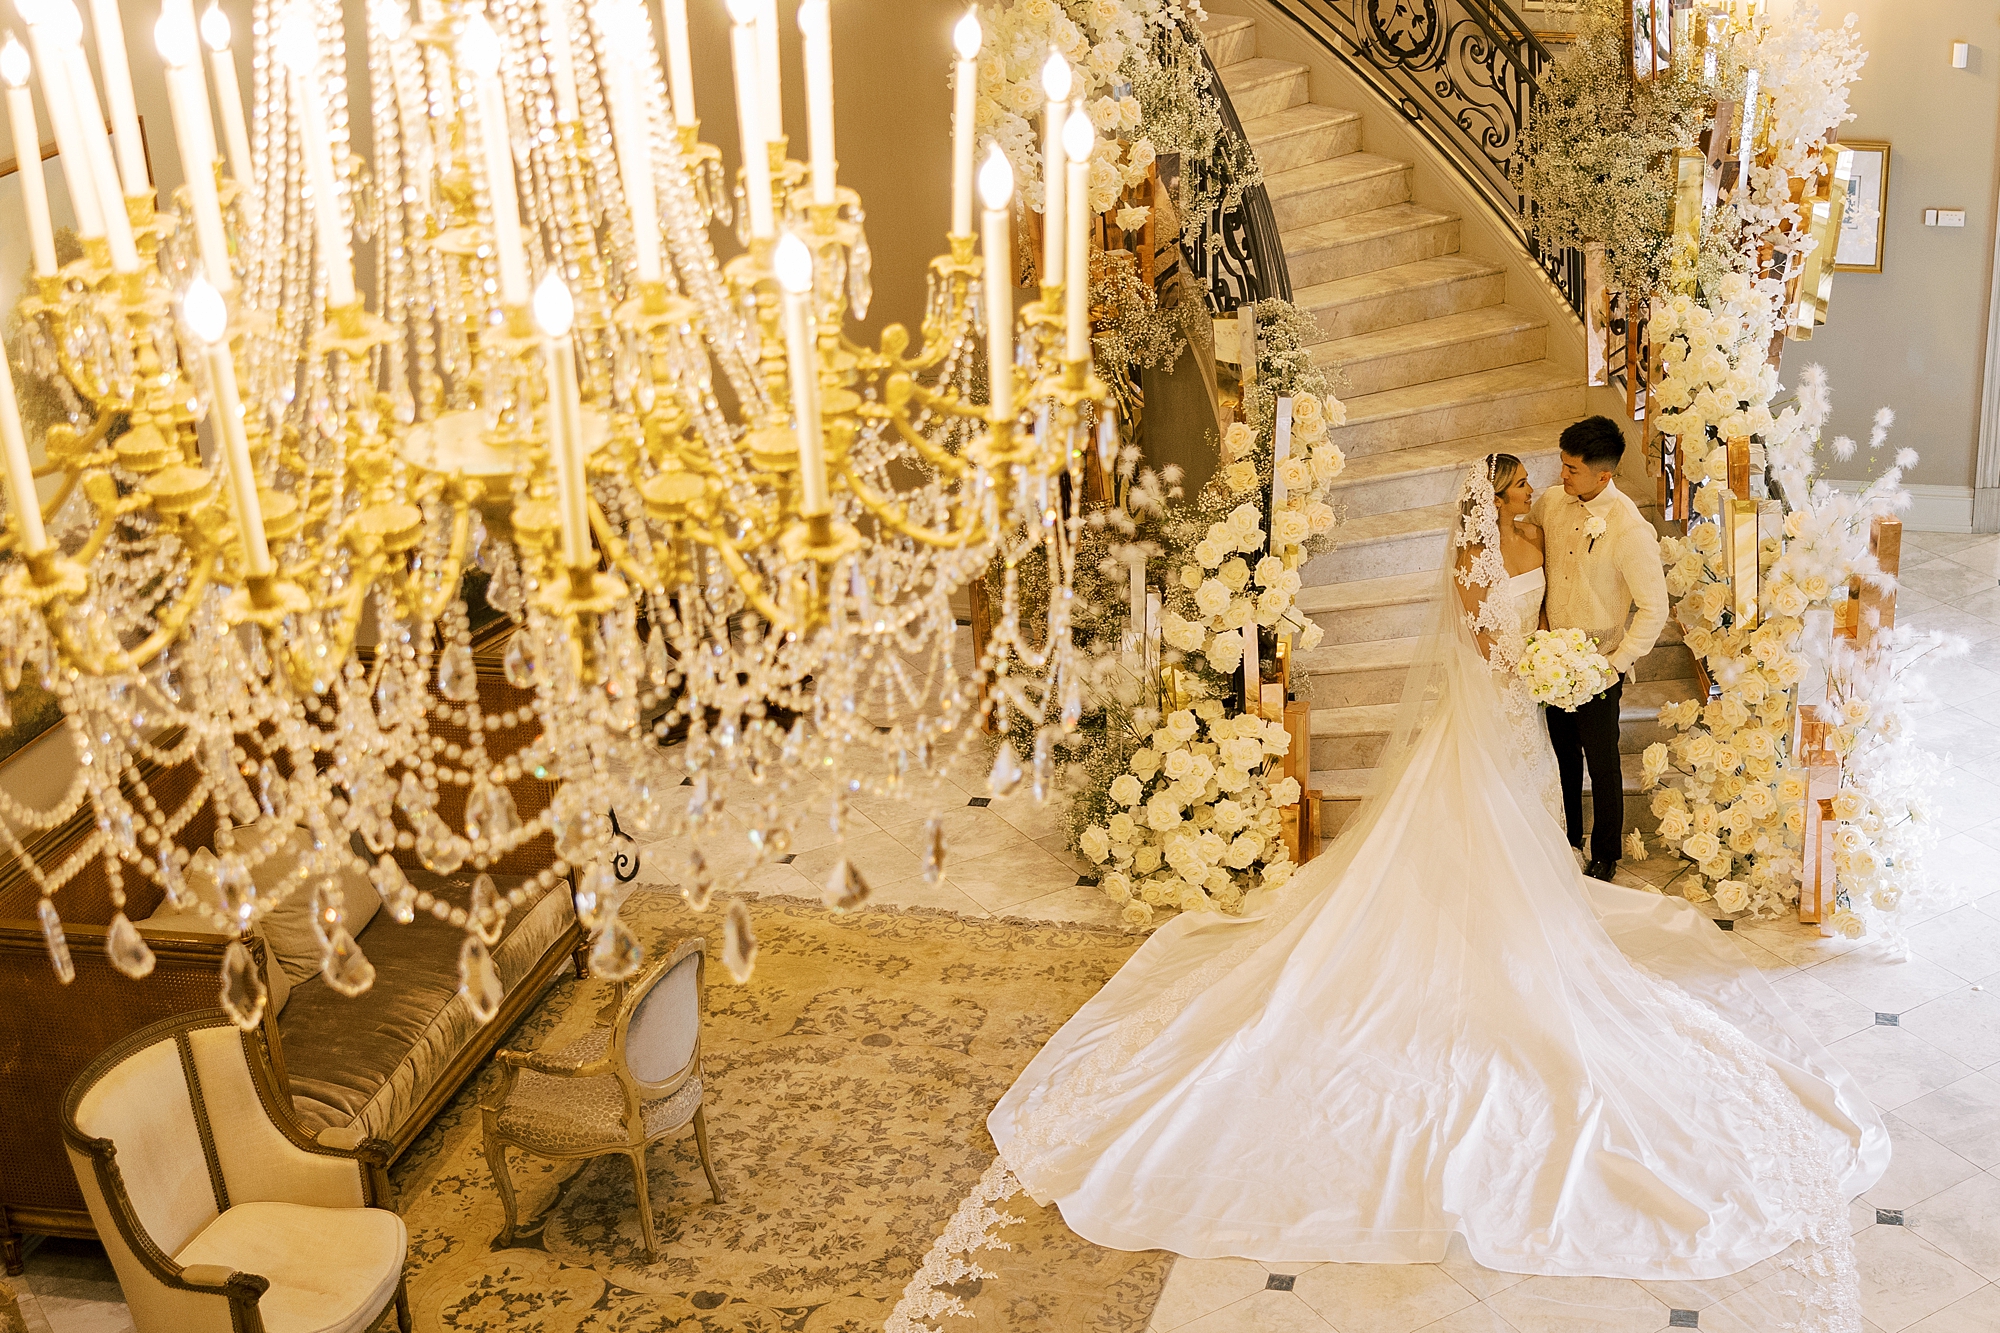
(479, 47)
(1055, 78)
(1079, 136)
(996, 179)
(743, 11)
(555, 309)
(298, 42)
(967, 36)
(793, 263)
(203, 311)
(175, 40)
(215, 28)
(64, 23)
(14, 64)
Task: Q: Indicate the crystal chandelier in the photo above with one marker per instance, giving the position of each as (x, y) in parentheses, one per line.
(706, 509)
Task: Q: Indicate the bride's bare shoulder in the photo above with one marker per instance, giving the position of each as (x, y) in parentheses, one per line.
(1531, 531)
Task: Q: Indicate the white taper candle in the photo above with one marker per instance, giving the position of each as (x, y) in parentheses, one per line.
(996, 191)
(680, 60)
(69, 141)
(816, 27)
(21, 491)
(298, 49)
(187, 97)
(1056, 85)
(228, 93)
(966, 37)
(794, 265)
(14, 70)
(110, 29)
(1079, 139)
(479, 52)
(750, 106)
(555, 310)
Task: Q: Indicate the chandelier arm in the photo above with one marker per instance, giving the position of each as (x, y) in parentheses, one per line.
(619, 552)
(455, 560)
(747, 579)
(128, 661)
(942, 459)
(895, 518)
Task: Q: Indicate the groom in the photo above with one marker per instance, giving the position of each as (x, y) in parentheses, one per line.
(1605, 579)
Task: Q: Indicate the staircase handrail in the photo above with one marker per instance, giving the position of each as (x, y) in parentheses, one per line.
(1248, 265)
(1465, 74)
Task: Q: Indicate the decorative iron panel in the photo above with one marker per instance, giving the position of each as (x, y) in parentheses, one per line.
(1234, 252)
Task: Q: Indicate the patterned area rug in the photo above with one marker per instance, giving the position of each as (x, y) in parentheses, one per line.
(847, 1091)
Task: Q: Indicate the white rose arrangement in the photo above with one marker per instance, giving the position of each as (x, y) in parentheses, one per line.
(1563, 669)
(1195, 818)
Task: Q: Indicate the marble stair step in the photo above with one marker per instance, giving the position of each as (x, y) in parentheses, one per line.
(1343, 789)
(1395, 606)
(1336, 187)
(1259, 86)
(1429, 474)
(1301, 134)
(1376, 545)
(1478, 403)
(1229, 38)
(1353, 737)
(1403, 294)
(1347, 675)
(1363, 242)
(1433, 349)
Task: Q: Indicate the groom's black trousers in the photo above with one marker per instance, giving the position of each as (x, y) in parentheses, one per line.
(1590, 736)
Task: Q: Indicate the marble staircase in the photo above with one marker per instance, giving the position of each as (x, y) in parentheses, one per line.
(1436, 369)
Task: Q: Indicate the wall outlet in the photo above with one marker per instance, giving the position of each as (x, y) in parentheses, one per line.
(1951, 217)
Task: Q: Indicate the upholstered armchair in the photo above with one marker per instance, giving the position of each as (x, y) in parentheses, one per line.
(217, 1210)
(617, 1089)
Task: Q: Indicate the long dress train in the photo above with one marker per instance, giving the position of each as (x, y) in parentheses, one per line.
(1441, 1027)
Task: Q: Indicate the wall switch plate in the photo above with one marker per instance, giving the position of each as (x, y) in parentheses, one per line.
(1951, 217)
(1930, 217)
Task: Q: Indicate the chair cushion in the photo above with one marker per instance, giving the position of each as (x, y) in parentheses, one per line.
(331, 1270)
(368, 1060)
(550, 1115)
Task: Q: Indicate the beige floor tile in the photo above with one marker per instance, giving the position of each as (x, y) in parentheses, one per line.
(1963, 940)
(1967, 801)
(1964, 1222)
(1580, 1305)
(879, 858)
(1472, 1319)
(1381, 1298)
(1801, 946)
(1197, 1287)
(1459, 1265)
(1965, 869)
(1038, 822)
(1084, 905)
(1946, 580)
(1976, 1313)
(66, 1315)
(1830, 1014)
(1895, 1067)
(1964, 1024)
(1904, 1278)
(970, 832)
(1919, 1167)
(913, 892)
(1262, 1312)
(1883, 984)
(1964, 1117)
(1005, 879)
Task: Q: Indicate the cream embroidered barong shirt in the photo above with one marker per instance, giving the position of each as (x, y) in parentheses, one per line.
(1613, 589)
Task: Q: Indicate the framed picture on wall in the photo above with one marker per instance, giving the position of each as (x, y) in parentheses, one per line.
(1859, 249)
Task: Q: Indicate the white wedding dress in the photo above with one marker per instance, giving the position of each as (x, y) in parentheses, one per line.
(1441, 1027)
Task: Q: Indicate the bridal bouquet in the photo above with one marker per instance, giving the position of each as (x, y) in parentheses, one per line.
(1563, 669)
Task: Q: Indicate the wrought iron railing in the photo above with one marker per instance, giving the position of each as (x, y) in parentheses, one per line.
(1235, 252)
(1465, 74)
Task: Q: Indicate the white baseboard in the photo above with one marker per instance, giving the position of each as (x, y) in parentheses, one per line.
(1932, 508)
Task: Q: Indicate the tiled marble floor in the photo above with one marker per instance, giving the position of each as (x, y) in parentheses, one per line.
(1935, 1071)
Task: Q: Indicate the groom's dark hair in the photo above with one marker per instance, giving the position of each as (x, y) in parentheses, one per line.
(1595, 440)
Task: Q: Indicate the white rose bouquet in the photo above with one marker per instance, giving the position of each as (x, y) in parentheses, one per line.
(1195, 818)
(1563, 669)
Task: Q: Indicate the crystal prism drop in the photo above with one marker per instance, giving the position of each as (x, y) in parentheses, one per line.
(479, 980)
(398, 894)
(52, 933)
(700, 884)
(458, 679)
(656, 657)
(445, 853)
(596, 895)
(1006, 774)
(171, 878)
(237, 891)
(615, 953)
(934, 850)
(1043, 766)
(267, 788)
(845, 890)
(503, 591)
(345, 968)
(243, 992)
(519, 666)
(739, 943)
(490, 813)
(413, 797)
(486, 918)
(127, 949)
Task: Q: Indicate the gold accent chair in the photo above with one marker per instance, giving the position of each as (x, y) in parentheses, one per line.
(617, 1089)
(218, 1211)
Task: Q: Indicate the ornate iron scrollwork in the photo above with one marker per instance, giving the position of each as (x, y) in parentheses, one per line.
(1465, 72)
(1234, 251)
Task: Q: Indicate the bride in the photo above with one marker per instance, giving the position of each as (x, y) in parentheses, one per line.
(1440, 1026)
